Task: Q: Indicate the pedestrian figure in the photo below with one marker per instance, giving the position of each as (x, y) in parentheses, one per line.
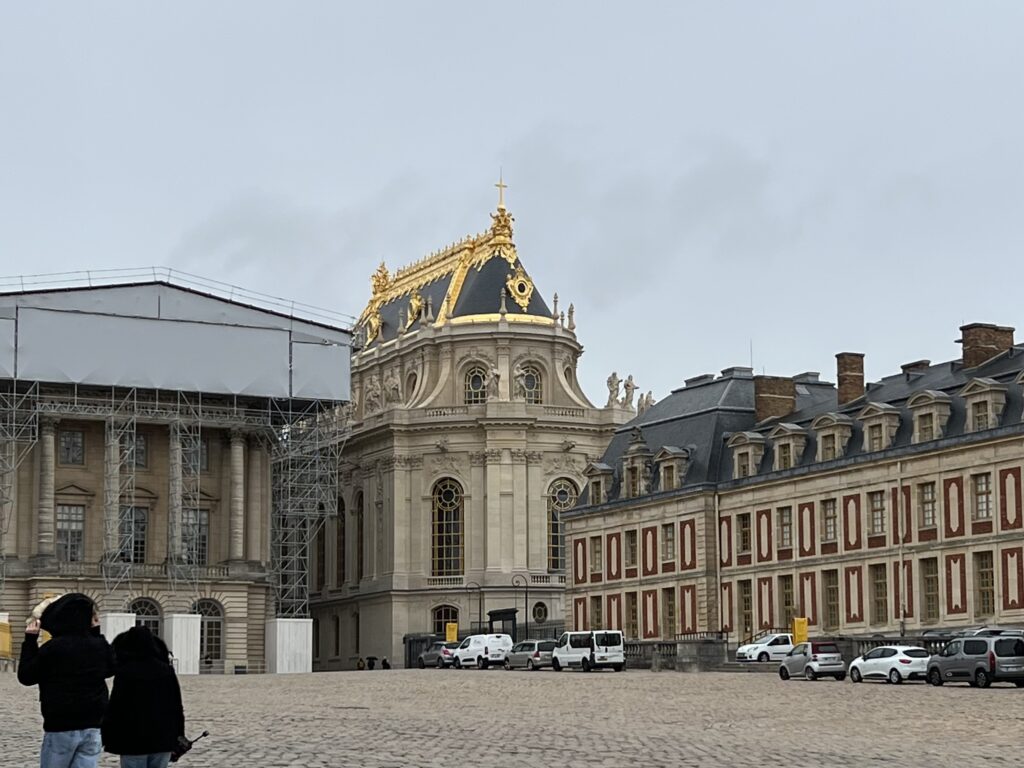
(371, 662)
(71, 671)
(360, 665)
(384, 664)
(145, 718)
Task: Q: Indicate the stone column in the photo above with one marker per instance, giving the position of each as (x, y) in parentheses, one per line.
(111, 493)
(45, 516)
(254, 502)
(236, 523)
(174, 495)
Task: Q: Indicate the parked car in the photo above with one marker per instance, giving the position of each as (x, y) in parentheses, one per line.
(767, 648)
(813, 660)
(437, 655)
(602, 648)
(894, 663)
(481, 651)
(531, 654)
(979, 661)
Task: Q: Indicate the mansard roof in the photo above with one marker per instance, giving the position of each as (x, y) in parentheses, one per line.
(462, 283)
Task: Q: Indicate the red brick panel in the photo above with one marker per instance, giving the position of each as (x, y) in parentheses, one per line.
(956, 584)
(1013, 578)
(727, 607)
(1010, 512)
(579, 614)
(851, 522)
(806, 519)
(854, 583)
(614, 611)
(763, 526)
(809, 597)
(613, 556)
(688, 608)
(649, 610)
(725, 541)
(898, 581)
(649, 555)
(765, 602)
(953, 493)
(688, 544)
(579, 561)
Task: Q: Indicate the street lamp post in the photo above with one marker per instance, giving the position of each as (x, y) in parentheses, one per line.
(518, 580)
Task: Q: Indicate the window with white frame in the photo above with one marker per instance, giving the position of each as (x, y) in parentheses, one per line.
(984, 400)
(70, 532)
(829, 520)
(134, 528)
(476, 386)
(668, 542)
(71, 447)
(785, 516)
(828, 446)
(926, 504)
(631, 549)
(981, 486)
(876, 502)
(595, 554)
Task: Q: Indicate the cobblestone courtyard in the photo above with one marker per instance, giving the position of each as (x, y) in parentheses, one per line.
(512, 719)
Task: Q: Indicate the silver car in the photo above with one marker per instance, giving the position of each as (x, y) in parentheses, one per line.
(437, 655)
(813, 660)
(530, 654)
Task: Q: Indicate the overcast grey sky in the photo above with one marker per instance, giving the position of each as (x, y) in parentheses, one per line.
(808, 177)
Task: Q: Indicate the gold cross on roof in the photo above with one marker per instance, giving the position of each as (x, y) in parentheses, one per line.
(501, 191)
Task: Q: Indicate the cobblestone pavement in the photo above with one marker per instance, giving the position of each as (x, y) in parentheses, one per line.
(521, 719)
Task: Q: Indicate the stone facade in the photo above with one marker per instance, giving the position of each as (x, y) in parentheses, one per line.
(892, 508)
(470, 436)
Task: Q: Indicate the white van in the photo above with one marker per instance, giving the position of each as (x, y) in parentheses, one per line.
(482, 651)
(600, 649)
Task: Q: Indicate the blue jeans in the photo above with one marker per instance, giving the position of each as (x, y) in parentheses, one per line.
(158, 760)
(71, 749)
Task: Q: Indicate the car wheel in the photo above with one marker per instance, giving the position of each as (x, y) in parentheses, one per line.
(529, 665)
(481, 662)
(457, 663)
(422, 664)
(982, 679)
(841, 676)
(440, 663)
(507, 665)
(585, 665)
(763, 656)
(618, 667)
(935, 677)
(855, 675)
(555, 665)
(895, 677)
(783, 673)
(810, 674)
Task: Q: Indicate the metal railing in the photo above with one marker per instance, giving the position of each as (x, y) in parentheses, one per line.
(139, 570)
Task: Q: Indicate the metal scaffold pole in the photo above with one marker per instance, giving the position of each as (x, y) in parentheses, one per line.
(19, 432)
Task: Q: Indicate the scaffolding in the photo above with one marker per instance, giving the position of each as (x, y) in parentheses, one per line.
(306, 454)
(122, 520)
(19, 432)
(184, 554)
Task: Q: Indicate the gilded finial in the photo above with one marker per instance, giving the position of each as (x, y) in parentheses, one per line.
(502, 186)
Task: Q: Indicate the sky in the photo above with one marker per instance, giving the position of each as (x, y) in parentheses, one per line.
(709, 183)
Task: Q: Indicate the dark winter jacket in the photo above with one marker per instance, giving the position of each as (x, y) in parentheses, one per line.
(145, 715)
(71, 668)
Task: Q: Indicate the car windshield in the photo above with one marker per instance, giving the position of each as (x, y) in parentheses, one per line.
(1009, 646)
(916, 653)
(826, 648)
(607, 638)
(451, 645)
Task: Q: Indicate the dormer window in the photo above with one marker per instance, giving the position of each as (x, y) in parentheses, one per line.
(931, 414)
(880, 421)
(789, 441)
(747, 450)
(599, 481)
(673, 464)
(668, 478)
(785, 459)
(633, 473)
(637, 466)
(833, 432)
(984, 400)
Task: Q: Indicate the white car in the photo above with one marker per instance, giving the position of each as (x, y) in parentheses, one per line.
(482, 651)
(894, 663)
(767, 648)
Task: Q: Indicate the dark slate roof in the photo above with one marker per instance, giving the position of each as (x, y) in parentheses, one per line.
(389, 312)
(481, 292)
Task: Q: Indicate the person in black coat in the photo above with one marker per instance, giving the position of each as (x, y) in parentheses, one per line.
(145, 717)
(71, 671)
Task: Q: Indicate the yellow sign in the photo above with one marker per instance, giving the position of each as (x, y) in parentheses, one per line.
(5, 640)
(451, 632)
(799, 630)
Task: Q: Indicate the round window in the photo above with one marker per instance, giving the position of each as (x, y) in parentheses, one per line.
(540, 613)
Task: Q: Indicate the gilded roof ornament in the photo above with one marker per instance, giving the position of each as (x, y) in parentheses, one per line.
(380, 280)
(520, 287)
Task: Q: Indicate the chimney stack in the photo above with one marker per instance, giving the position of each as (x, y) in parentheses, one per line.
(774, 397)
(850, 376)
(983, 341)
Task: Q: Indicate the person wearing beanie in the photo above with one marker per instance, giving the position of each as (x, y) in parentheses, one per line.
(145, 718)
(71, 671)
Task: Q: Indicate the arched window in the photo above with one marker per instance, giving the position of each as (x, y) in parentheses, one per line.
(360, 543)
(562, 496)
(444, 614)
(446, 533)
(211, 635)
(147, 614)
(339, 546)
(476, 385)
(532, 385)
